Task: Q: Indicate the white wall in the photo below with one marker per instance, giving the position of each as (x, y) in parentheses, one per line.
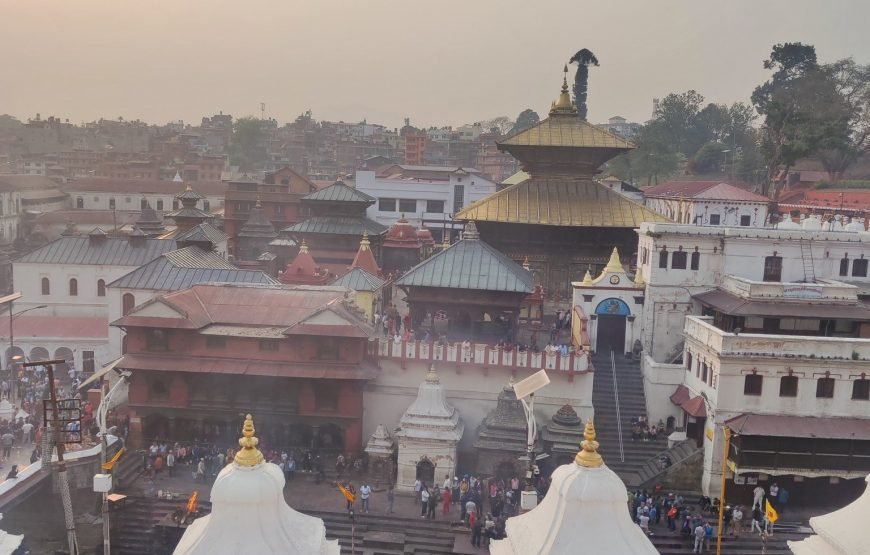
(473, 393)
(699, 212)
(420, 190)
(131, 202)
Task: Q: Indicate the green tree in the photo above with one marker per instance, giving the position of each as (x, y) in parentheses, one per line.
(710, 158)
(248, 143)
(850, 117)
(526, 119)
(677, 118)
(583, 58)
(798, 104)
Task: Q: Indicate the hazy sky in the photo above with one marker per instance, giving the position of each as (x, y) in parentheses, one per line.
(438, 62)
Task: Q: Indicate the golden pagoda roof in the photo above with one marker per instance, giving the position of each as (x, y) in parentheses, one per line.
(560, 201)
(567, 130)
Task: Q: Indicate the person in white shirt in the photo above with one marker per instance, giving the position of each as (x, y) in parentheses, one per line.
(736, 522)
(417, 486)
(424, 499)
(644, 523)
(365, 491)
(447, 482)
(757, 496)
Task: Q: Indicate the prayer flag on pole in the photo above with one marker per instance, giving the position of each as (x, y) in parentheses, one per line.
(347, 494)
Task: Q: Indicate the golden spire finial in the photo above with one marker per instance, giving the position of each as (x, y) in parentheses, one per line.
(526, 266)
(303, 248)
(614, 265)
(259, 204)
(588, 457)
(188, 188)
(587, 279)
(248, 455)
(638, 279)
(445, 240)
(364, 244)
(432, 375)
(564, 105)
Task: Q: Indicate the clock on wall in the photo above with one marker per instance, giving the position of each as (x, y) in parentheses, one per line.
(614, 280)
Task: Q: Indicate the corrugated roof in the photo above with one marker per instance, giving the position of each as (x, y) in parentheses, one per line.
(566, 131)
(106, 251)
(203, 232)
(339, 192)
(140, 186)
(338, 225)
(772, 425)
(358, 279)
(186, 267)
(470, 264)
(738, 306)
(708, 190)
(562, 202)
(726, 191)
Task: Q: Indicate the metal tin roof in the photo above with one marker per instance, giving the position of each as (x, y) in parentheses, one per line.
(728, 303)
(339, 192)
(567, 131)
(562, 202)
(338, 225)
(102, 251)
(203, 232)
(358, 279)
(470, 264)
(775, 425)
(186, 267)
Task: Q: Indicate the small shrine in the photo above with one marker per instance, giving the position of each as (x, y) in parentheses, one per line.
(428, 434)
(188, 216)
(583, 512)
(380, 450)
(150, 222)
(402, 247)
(561, 436)
(254, 237)
(304, 270)
(249, 513)
(502, 436)
(363, 278)
(840, 532)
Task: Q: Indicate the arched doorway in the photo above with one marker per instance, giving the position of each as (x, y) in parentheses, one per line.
(611, 314)
(426, 471)
(38, 353)
(64, 353)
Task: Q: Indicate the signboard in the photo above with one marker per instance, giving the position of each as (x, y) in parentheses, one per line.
(801, 292)
(531, 384)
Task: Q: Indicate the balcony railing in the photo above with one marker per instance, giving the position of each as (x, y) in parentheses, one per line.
(700, 329)
(483, 355)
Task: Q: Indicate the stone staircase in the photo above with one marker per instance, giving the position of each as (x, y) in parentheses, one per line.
(133, 530)
(746, 544)
(632, 403)
(652, 470)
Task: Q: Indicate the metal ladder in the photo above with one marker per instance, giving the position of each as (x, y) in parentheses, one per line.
(807, 258)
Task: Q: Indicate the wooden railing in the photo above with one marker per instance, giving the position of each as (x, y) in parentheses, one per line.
(482, 355)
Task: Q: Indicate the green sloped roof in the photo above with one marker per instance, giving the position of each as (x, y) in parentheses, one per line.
(470, 264)
(339, 192)
(338, 225)
(358, 279)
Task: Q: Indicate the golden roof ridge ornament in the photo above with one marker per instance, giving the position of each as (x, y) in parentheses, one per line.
(587, 279)
(564, 105)
(588, 457)
(303, 248)
(470, 233)
(432, 375)
(614, 265)
(248, 455)
(364, 244)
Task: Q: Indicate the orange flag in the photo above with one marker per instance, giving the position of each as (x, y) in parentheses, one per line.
(347, 494)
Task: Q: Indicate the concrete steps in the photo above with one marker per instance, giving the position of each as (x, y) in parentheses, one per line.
(628, 384)
(653, 468)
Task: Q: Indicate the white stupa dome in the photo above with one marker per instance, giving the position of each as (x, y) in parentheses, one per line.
(248, 497)
(840, 532)
(584, 511)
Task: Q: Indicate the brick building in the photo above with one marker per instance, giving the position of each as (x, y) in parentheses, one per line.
(295, 356)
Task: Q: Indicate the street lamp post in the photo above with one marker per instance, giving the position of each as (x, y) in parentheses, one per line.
(102, 414)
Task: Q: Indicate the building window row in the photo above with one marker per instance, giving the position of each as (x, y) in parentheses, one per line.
(859, 267)
(679, 259)
(788, 387)
(703, 371)
(45, 286)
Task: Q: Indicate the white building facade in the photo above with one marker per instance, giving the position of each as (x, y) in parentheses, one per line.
(425, 201)
(708, 203)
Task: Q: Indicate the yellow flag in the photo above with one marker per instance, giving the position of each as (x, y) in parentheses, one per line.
(770, 512)
(108, 465)
(347, 494)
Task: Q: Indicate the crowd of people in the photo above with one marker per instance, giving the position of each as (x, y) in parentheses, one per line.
(642, 431)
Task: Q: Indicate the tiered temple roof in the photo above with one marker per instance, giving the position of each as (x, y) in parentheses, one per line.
(304, 270)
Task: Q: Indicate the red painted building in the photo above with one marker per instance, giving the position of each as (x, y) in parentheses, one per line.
(294, 356)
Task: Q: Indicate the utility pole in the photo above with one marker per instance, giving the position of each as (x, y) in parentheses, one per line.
(58, 435)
